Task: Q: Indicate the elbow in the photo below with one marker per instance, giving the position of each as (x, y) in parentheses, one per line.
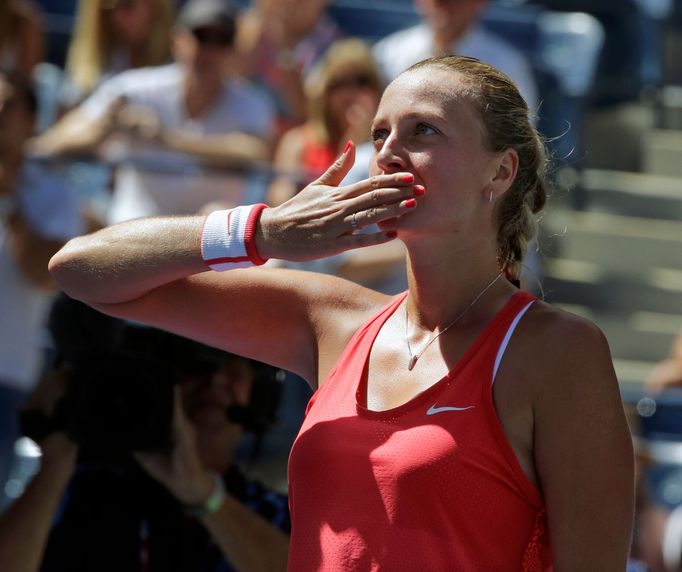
(66, 265)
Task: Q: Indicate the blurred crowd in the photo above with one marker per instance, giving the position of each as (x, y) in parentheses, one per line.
(162, 107)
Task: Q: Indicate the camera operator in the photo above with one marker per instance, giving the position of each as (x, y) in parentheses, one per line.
(84, 511)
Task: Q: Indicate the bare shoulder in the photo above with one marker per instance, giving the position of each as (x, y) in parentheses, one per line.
(339, 305)
(338, 308)
(563, 348)
(581, 443)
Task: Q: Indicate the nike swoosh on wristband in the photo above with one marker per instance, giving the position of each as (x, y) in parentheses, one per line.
(433, 409)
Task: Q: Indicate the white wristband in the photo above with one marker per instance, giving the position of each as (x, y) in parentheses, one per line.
(228, 239)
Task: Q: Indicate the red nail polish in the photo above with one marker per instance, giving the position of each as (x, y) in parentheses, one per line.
(410, 203)
(419, 191)
(392, 234)
(345, 149)
(409, 178)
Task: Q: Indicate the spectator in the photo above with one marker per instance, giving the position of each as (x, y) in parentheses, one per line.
(37, 215)
(195, 111)
(451, 27)
(21, 36)
(342, 98)
(189, 508)
(112, 36)
(282, 40)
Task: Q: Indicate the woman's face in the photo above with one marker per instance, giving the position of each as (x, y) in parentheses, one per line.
(352, 100)
(426, 125)
(206, 398)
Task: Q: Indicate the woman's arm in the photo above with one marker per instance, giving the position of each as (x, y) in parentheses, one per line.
(151, 270)
(582, 445)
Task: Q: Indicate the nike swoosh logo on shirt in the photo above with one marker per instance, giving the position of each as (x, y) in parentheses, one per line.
(433, 409)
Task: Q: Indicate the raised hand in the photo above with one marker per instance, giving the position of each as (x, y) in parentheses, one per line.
(323, 218)
(180, 470)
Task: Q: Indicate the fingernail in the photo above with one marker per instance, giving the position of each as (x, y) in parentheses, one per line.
(419, 191)
(345, 149)
(409, 178)
(392, 234)
(409, 203)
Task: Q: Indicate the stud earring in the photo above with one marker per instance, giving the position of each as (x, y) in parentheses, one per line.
(490, 198)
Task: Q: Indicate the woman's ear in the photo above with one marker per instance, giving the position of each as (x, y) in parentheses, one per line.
(506, 167)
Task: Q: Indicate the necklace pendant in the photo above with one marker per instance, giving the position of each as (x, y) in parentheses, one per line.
(412, 362)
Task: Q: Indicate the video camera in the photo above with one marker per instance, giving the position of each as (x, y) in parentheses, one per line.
(119, 398)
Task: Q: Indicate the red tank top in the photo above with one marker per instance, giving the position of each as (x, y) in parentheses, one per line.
(432, 485)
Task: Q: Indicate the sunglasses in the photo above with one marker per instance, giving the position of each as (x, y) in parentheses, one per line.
(213, 37)
(356, 81)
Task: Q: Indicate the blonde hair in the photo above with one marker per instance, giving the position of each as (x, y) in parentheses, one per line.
(507, 123)
(92, 46)
(348, 57)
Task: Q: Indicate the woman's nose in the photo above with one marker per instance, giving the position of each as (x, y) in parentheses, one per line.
(390, 157)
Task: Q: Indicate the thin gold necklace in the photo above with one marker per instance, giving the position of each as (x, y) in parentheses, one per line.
(414, 357)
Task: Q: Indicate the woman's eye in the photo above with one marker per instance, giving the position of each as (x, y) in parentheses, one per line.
(379, 136)
(424, 129)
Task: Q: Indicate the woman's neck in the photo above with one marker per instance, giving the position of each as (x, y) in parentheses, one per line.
(443, 283)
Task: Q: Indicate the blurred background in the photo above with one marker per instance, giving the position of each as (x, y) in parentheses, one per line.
(603, 79)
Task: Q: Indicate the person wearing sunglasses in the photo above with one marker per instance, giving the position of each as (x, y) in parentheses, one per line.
(191, 114)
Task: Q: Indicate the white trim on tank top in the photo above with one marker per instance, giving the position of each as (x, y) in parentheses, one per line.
(507, 337)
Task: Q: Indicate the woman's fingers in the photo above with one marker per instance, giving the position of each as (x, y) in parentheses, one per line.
(376, 214)
(339, 168)
(319, 220)
(385, 197)
(378, 183)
